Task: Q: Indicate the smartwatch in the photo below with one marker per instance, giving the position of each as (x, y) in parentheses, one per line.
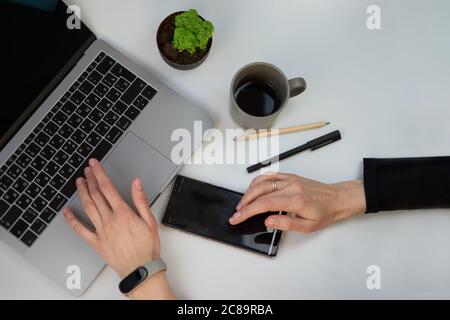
(134, 279)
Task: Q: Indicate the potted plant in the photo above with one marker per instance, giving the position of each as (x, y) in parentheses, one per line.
(184, 39)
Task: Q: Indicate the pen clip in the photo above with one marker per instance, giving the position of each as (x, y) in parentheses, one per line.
(324, 140)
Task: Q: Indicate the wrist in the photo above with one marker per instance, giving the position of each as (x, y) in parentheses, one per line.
(350, 200)
(155, 287)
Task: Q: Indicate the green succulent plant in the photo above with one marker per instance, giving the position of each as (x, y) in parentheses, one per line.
(191, 32)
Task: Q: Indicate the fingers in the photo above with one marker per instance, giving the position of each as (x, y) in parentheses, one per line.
(80, 229)
(260, 189)
(269, 176)
(106, 186)
(88, 204)
(99, 199)
(271, 202)
(286, 223)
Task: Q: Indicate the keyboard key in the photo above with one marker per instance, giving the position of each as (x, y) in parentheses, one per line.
(123, 123)
(149, 92)
(51, 128)
(3, 207)
(29, 238)
(102, 128)
(39, 204)
(67, 171)
(110, 79)
(69, 147)
(48, 117)
(57, 182)
(61, 157)
(58, 203)
(65, 97)
(113, 95)
(76, 160)
(60, 118)
(10, 196)
(57, 141)
(87, 126)
(106, 65)
(38, 226)
(79, 136)
(96, 115)
(114, 134)
(105, 105)
(66, 131)
(29, 174)
(93, 139)
(19, 228)
(92, 100)
(140, 102)
(42, 139)
(32, 150)
(91, 67)
(47, 215)
(83, 76)
(86, 87)
(132, 113)
(75, 120)
(119, 71)
(51, 168)
(77, 98)
(5, 182)
(48, 193)
(101, 89)
(24, 201)
(10, 217)
(111, 118)
(30, 138)
(83, 110)
(11, 160)
(20, 185)
(48, 152)
(38, 163)
(99, 152)
(131, 94)
(42, 179)
(74, 87)
(24, 160)
(120, 107)
(33, 190)
(100, 57)
(122, 85)
(95, 77)
(85, 149)
(68, 108)
(14, 171)
(29, 215)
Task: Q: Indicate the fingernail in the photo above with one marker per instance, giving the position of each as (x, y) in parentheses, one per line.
(93, 162)
(239, 206)
(271, 222)
(79, 180)
(87, 170)
(236, 215)
(139, 185)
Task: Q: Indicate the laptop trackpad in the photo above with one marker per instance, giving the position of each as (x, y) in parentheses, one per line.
(133, 158)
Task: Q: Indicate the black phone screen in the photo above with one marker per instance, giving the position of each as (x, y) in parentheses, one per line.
(204, 209)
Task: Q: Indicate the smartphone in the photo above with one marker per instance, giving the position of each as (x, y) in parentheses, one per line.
(204, 209)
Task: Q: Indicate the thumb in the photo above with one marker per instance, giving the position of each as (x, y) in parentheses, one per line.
(286, 223)
(142, 205)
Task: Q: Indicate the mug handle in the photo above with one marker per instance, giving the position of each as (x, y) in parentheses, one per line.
(296, 87)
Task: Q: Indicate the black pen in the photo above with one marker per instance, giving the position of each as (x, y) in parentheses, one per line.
(311, 145)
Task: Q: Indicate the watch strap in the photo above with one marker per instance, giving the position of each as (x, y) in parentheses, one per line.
(155, 266)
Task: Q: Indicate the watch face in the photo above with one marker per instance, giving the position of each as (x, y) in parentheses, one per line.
(133, 280)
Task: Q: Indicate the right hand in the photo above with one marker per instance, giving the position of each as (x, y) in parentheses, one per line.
(311, 205)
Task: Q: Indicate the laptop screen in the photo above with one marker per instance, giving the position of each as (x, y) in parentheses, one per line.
(37, 50)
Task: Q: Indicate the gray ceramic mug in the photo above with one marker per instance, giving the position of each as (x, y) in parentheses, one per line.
(268, 73)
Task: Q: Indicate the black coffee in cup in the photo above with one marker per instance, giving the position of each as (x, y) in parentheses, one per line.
(257, 98)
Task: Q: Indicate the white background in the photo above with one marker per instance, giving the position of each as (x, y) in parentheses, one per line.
(388, 93)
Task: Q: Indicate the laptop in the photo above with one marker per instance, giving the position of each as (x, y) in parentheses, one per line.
(69, 97)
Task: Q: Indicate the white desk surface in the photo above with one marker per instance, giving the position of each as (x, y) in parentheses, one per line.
(387, 91)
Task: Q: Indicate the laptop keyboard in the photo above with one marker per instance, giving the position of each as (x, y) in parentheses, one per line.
(39, 178)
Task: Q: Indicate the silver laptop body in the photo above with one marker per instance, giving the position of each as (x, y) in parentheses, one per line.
(143, 150)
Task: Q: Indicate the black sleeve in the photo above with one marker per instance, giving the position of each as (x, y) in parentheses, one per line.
(407, 183)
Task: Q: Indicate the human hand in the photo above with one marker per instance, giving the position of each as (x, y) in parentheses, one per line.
(311, 205)
(124, 239)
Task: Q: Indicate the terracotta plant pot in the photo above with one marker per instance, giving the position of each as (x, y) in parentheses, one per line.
(178, 60)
